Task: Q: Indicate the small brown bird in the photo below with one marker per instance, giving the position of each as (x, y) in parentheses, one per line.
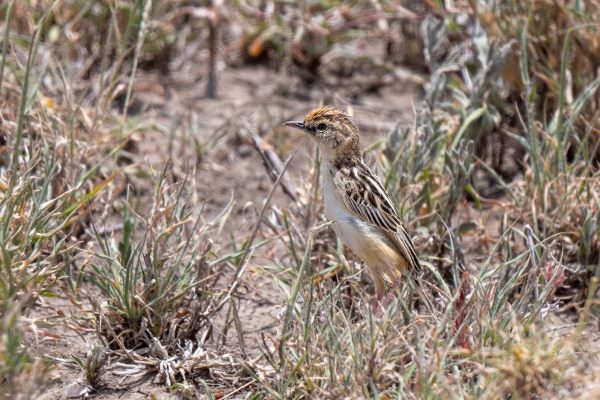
(364, 215)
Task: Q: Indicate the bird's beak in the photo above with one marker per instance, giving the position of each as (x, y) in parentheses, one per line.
(295, 124)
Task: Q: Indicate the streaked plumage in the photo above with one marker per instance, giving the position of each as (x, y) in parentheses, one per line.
(365, 217)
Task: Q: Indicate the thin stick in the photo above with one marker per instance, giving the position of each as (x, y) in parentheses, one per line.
(238, 389)
(272, 164)
(238, 328)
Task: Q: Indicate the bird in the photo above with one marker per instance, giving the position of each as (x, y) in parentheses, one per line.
(362, 213)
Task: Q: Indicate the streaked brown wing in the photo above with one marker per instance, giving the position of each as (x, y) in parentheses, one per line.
(365, 196)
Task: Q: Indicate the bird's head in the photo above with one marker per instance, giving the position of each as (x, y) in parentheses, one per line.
(333, 131)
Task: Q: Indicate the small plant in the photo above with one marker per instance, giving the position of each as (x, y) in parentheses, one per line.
(143, 279)
(159, 299)
(94, 363)
(186, 392)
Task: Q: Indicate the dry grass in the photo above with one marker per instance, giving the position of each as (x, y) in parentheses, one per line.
(511, 103)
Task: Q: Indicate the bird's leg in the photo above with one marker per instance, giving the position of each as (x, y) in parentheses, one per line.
(388, 297)
(377, 302)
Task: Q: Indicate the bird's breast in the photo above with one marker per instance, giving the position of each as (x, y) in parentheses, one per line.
(354, 232)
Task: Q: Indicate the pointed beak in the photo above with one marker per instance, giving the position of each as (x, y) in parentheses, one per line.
(295, 124)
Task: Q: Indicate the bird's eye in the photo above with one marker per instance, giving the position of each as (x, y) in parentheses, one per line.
(321, 127)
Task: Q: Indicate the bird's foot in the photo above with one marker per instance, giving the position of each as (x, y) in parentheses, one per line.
(377, 304)
(381, 306)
